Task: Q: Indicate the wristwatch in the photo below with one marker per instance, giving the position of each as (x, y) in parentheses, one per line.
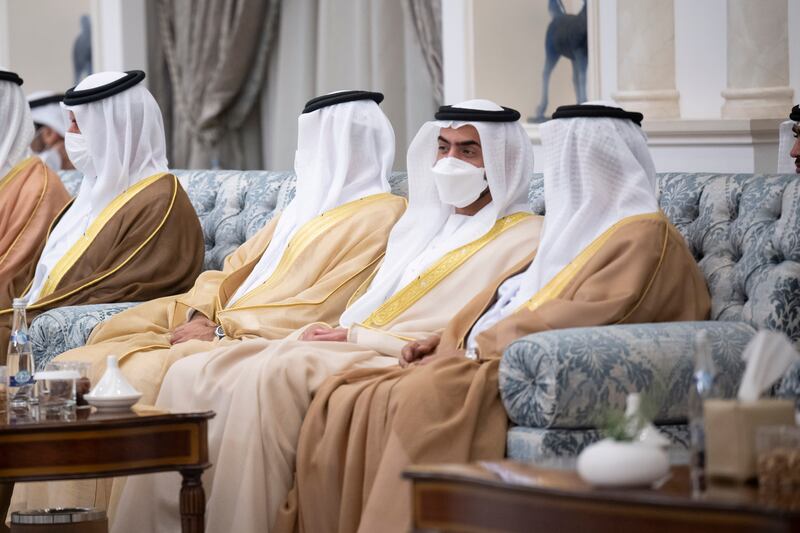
(219, 332)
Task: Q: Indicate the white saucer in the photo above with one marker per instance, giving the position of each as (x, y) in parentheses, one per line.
(113, 403)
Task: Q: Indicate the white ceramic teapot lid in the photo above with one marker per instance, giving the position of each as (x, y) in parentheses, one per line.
(113, 383)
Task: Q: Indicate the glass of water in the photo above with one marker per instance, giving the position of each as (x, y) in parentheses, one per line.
(83, 385)
(56, 395)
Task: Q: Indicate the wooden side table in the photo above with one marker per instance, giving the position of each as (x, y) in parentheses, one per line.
(511, 497)
(109, 446)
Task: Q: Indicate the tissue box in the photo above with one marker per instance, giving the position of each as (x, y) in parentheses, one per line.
(730, 428)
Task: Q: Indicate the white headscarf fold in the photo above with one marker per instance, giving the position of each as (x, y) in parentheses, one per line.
(125, 136)
(50, 115)
(786, 164)
(344, 152)
(508, 160)
(16, 126)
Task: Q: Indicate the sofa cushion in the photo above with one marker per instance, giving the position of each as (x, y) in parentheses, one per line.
(64, 328)
(559, 447)
(559, 378)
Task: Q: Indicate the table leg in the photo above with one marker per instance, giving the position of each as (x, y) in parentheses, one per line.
(193, 501)
(5, 500)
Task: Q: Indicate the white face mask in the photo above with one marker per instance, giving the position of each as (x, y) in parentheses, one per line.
(458, 182)
(78, 152)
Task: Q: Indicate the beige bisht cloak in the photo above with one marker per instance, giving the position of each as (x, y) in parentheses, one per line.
(365, 426)
(325, 262)
(31, 197)
(145, 244)
(260, 390)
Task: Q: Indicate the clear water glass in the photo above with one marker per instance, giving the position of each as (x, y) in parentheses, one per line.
(56, 394)
(83, 385)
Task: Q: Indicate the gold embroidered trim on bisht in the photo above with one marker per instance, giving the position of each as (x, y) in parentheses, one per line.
(556, 286)
(411, 293)
(5, 180)
(79, 248)
(307, 233)
(32, 214)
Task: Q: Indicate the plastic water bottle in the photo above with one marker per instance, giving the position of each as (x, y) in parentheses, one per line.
(703, 387)
(21, 385)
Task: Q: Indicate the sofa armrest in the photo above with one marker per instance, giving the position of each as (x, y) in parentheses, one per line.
(64, 328)
(569, 378)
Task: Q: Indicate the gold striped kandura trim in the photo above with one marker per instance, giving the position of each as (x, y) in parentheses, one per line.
(411, 293)
(556, 286)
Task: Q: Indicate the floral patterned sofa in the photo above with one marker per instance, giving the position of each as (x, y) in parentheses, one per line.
(743, 229)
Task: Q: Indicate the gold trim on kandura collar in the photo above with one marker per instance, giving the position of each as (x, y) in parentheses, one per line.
(411, 293)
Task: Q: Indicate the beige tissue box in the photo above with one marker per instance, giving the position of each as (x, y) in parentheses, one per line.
(730, 428)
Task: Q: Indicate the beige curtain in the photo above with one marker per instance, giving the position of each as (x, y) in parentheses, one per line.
(216, 53)
(426, 16)
(328, 45)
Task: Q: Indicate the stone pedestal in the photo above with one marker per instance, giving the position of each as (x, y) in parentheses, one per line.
(758, 60)
(646, 58)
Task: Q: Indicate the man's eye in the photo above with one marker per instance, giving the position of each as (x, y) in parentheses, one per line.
(442, 148)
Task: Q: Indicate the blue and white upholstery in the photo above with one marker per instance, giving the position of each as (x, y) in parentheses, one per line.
(743, 229)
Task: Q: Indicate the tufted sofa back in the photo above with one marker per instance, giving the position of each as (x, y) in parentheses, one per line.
(743, 229)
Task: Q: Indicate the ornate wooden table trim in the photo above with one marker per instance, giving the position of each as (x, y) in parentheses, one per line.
(110, 446)
(507, 496)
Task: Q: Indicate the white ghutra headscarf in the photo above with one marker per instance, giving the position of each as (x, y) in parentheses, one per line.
(508, 160)
(786, 164)
(50, 115)
(126, 142)
(17, 129)
(344, 152)
(597, 171)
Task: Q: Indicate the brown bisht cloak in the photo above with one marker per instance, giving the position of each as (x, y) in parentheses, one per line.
(31, 197)
(146, 243)
(365, 427)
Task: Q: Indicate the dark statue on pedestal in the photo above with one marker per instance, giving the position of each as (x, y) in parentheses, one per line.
(566, 36)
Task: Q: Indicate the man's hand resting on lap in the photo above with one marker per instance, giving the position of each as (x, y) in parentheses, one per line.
(324, 333)
(199, 327)
(415, 351)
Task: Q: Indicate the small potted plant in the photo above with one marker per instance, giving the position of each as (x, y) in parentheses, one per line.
(633, 452)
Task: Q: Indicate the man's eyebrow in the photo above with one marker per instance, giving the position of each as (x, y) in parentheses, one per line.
(468, 143)
(460, 143)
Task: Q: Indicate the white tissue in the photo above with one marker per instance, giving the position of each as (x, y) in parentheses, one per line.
(768, 356)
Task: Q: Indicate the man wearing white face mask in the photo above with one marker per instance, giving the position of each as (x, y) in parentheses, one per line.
(607, 255)
(31, 194)
(131, 233)
(48, 117)
(438, 256)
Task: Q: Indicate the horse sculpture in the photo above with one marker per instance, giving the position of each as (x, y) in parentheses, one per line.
(566, 36)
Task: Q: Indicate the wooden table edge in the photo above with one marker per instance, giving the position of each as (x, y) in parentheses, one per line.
(435, 474)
